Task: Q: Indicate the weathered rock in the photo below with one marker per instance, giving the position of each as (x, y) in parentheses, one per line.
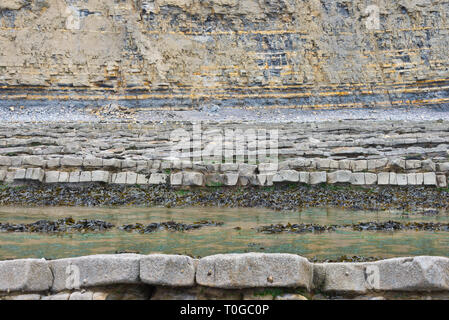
(167, 270)
(254, 270)
(398, 274)
(370, 178)
(51, 176)
(230, 179)
(95, 270)
(317, 177)
(27, 275)
(176, 179)
(71, 162)
(85, 176)
(358, 178)
(340, 176)
(441, 181)
(428, 165)
(192, 179)
(383, 178)
(430, 178)
(158, 178)
(286, 176)
(100, 176)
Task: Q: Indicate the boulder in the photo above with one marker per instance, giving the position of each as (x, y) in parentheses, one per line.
(252, 270)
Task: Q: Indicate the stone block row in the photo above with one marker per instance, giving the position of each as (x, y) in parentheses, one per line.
(225, 271)
(157, 165)
(192, 178)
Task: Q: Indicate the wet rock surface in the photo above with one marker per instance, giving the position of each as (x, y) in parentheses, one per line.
(60, 225)
(295, 228)
(394, 225)
(168, 225)
(282, 197)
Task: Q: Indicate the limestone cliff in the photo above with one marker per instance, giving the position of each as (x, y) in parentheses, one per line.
(262, 53)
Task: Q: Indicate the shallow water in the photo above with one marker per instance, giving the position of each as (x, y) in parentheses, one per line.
(222, 239)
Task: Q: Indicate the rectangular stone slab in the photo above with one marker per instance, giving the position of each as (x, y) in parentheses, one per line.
(251, 270)
(422, 273)
(95, 270)
(167, 270)
(27, 275)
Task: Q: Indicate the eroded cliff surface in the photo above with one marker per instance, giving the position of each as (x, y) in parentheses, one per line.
(262, 53)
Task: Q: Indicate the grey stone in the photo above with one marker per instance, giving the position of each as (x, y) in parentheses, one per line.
(112, 163)
(2, 175)
(92, 162)
(428, 165)
(77, 295)
(74, 177)
(5, 161)
(398, 274)
(100, 176)
(358, 178)
(128, 164)
(339, 176)
(131, 177)
(51, 176)
(230, 179)
(120, 178)
(359, 165)
(28, 297)
(430, 178)
(95, 270)
(370, 178)
(158, 178)
(322, 163)
(397, 163)
(176, 179)
(26, 275)
(443, 167)
(86, 176)
(419, 178)
(225, 167)
(393, 178)
(192, 178)
(413, 164)
(441, 181)
(383, 178)
(317, 177)
(63, 177)
(71, 162)
(247, 169)
(20, 174)
(58, 296)
(254, 270)
(142, 179)
(304, 177)
(33, 161)
(401, 179)
(411, 179)
(53, 163)
(344, 165)
(167, 270)
(286, 176)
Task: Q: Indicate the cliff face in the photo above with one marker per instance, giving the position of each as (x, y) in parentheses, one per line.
(266, 53)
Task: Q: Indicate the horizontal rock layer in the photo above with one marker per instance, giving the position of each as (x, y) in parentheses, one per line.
(187, 53)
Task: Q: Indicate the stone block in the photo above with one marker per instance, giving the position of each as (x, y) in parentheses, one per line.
(176, 179)
(52, 177)
(167, 270)
(26, 275)
(252, 270)
(100, 176)
(358, 178)
(86, 176)
(317, 177)
(370, 178)
(339, 176)
(304, 177)
(286, 176)
(430, 178)
(192, 179)
(131, 178)
(401, 179)
(95, 270)
(383, 178)
(158, 178)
